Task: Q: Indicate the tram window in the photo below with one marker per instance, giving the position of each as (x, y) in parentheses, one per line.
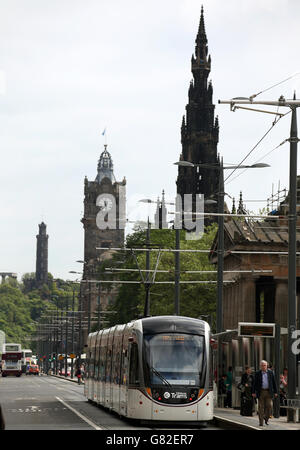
(116, 368)
(97, 364)
(134, 365)
(108, 367)
(180, 359)
(91, 364)
(114, 365)
(124, 368)
(102, 363)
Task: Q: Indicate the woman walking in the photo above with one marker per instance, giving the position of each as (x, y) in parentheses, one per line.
(246, 392)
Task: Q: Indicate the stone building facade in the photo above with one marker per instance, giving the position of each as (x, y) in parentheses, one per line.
(104, 222)
(258, 297)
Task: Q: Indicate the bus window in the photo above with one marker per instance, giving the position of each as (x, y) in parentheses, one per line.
(134, 365)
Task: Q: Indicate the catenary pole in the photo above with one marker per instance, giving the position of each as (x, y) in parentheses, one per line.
(292, 268)
(292, 218)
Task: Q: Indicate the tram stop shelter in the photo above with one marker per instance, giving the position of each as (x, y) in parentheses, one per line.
(244, 346)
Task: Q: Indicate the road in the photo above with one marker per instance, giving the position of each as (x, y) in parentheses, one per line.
(50, 403)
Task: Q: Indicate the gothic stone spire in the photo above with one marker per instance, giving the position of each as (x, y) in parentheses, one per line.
(199, 128)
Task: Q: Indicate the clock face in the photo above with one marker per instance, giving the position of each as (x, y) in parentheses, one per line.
(105, 204)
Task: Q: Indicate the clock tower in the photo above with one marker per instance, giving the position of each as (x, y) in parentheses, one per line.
(104, 222)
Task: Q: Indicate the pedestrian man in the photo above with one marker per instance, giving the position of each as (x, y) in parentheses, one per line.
(264, 389)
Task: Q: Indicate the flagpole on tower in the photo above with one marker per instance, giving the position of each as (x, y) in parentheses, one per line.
(105, 138)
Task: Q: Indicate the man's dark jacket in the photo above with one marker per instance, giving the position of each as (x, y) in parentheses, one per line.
(256, 386)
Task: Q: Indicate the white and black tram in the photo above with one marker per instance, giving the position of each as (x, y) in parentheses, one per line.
(156, 368)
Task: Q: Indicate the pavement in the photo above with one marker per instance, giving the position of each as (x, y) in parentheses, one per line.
(74, 379)
(231, 418)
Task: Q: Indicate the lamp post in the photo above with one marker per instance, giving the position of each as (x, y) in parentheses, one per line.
(177, 263)
(293, 104)
(66, 331)
(221, 194)
(79, 329)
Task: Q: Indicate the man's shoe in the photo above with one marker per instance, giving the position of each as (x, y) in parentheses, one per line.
(267, 421)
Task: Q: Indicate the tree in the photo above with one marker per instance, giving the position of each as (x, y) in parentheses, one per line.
(196, 299)
(21, 309)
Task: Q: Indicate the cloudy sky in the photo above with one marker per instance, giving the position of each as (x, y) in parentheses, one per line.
(70, 68)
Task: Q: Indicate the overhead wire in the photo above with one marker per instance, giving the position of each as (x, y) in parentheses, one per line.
(273, 123)
(255, 146)
(264, 156)
(274, 85)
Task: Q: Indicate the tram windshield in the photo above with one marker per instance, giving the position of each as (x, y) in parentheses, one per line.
(174, 359)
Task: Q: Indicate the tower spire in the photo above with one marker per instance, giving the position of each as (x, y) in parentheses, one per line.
(199, 128)
(105, 166)
(201, 29)
(201, 51)
(241, 208)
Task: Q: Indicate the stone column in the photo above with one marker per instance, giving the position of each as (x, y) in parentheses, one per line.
(227, 300)
(249, 300)
(281, 302)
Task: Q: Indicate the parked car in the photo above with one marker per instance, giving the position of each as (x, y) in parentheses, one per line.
(33, 370)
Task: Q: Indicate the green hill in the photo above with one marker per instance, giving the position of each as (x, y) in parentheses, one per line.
(22, 307)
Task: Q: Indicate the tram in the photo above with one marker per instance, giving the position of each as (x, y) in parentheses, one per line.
(152, 369)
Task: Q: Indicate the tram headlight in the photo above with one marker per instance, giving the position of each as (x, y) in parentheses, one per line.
(200, 392)
(148, 390)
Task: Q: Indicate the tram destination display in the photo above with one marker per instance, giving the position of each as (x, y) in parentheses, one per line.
(247, 329)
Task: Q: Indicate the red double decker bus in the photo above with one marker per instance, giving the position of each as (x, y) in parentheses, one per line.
(12, 360)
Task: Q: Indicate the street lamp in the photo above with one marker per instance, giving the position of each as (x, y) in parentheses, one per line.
(221, 194)
(177, 262)
(147, 283)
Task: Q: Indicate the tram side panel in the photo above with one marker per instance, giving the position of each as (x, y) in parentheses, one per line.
(97, 367)
(205, 406)
(116, 368)
(92, 366)
(139, 405)
(108, 370)
(124, 374)
(103, 364)
(96, 370)
(88, 361)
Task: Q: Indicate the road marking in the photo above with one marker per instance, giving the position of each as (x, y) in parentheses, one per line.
(92, 424)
